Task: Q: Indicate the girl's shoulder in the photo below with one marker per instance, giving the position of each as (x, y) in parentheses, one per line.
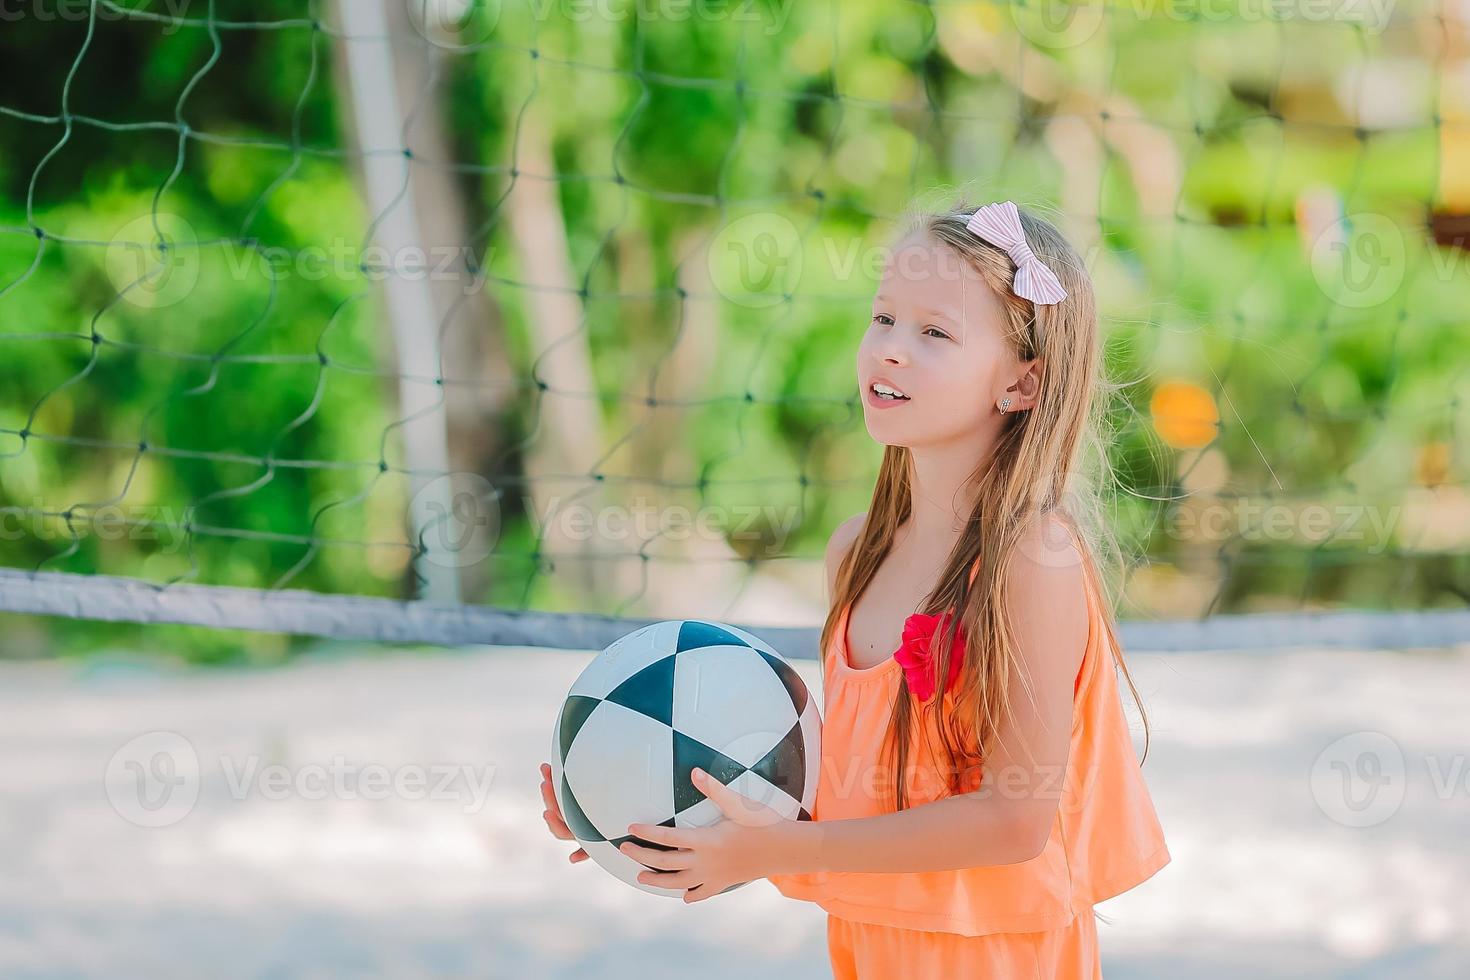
(839, 544)
(845, 535)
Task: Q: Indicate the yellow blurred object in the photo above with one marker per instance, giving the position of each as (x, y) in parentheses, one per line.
(1454, 168)
(1184, 414)
(1432, 465)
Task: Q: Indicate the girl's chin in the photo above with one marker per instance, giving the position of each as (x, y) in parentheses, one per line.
(890, 435)
(910, 436)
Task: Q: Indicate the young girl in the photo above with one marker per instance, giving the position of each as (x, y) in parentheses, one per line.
(979, 791)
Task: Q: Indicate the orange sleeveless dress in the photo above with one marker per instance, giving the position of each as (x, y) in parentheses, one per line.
(1032, 919)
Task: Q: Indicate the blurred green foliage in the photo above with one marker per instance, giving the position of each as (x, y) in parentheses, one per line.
(276, 386)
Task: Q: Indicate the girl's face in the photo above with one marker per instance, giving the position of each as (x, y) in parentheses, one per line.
(936, 336)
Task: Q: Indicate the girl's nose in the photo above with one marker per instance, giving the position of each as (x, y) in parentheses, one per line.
(892, 350)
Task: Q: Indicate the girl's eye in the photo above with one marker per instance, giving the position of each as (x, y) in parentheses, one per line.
(887, 321)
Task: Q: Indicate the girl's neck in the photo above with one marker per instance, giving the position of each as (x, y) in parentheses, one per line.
(940, 505)
(943, 489)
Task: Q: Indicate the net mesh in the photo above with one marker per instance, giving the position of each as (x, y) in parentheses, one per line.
(650, 234)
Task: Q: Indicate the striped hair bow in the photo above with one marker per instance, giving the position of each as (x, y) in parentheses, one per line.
(1000, 224)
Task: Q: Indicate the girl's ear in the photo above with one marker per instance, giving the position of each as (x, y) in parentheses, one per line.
(1024, 392)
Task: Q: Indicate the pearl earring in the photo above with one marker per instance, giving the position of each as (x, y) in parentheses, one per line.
(1005, 405)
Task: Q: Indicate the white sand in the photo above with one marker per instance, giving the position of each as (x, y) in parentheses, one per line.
(1266, 880)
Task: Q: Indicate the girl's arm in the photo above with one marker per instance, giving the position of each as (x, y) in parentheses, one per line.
(1009, 818)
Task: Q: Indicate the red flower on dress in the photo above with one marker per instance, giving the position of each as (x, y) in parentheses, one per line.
(917, 653)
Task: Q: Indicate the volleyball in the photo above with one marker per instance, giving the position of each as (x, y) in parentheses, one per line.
(666, 699)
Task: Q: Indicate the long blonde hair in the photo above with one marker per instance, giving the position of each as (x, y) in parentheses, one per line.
(1049, 460)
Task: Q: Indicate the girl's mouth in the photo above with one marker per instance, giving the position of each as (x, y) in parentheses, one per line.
(882, 395)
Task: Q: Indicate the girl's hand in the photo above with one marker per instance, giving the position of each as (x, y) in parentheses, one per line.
(709, 859)
(552, 814)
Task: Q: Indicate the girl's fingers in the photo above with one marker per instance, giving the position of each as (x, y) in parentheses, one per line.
(668, 879)
(552, 816)
(654, 858)
(548, 794)
(659, 834)
(558, 826)
(548, 799)
(553, 811)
